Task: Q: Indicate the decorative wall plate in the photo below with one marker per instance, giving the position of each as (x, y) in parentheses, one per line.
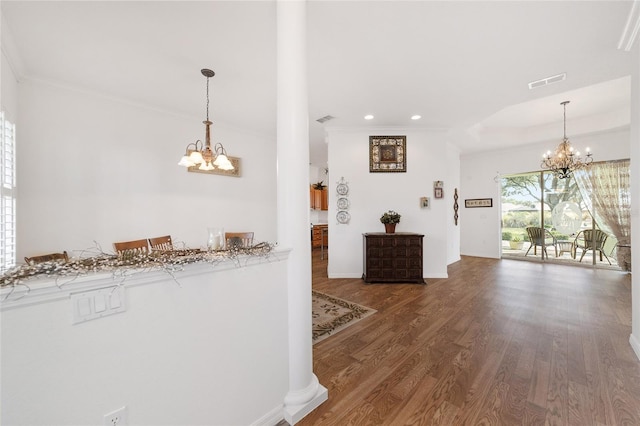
(342, 189)
(343, 217)
(343, 203)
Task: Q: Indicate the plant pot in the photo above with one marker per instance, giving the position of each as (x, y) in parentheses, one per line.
(516, 245)
(390, 228)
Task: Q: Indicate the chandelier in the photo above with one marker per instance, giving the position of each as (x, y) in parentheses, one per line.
(565, 160)
(198, 154)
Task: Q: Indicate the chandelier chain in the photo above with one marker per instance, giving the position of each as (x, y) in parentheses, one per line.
(207, 98)
(564, 104)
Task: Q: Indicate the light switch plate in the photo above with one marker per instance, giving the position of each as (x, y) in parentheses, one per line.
(94, 304)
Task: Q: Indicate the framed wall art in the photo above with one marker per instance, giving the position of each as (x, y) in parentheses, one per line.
(478, 202)
(424, 202)
(437, 189)
(387, 154)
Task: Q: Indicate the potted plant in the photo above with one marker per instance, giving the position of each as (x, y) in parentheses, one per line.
(516, 243)
(390, 220)
(319, 185)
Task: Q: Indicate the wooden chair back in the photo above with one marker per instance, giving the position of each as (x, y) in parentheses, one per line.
(129, 249)
(541, 237)
(238, 239)
(161, 243)
(592, 239)
(51, 257)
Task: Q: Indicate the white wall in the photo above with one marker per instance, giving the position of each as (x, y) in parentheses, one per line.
(92, 168)
(371, 194)
(8, 90)
(480, 178)
(179, 355)
(453, 182)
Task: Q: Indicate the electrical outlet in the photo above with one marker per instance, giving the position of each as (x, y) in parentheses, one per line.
(117, 417)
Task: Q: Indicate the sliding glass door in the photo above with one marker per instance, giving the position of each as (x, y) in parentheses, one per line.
(544, 218)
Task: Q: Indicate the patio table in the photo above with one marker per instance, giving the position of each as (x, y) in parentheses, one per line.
(566, 246)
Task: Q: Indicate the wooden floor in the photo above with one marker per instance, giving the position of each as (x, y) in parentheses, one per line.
(500, 342)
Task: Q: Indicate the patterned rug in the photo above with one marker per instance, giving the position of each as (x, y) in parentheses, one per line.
(332, 314)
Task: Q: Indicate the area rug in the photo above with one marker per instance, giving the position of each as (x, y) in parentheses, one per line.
(332, 314)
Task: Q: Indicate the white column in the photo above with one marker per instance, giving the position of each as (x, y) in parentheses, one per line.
(305, 393)
(634, 339)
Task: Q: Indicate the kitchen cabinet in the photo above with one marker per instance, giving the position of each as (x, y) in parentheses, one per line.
(319, 199)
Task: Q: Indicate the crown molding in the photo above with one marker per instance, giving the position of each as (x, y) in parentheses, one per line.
(631, 28)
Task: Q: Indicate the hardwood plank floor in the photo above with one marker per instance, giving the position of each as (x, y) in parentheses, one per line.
(499, 342)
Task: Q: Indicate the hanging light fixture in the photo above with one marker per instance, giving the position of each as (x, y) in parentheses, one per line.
(565, 160)
(198, 154)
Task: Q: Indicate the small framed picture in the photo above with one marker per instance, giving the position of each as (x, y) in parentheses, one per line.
(424, 202)
(437, 192)
(478, 202)
(438, 184)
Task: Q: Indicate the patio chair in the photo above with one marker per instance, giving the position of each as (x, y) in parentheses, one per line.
(540, 237)
(591, 239)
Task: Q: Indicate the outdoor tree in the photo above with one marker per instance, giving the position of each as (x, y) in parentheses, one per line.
(555, 190)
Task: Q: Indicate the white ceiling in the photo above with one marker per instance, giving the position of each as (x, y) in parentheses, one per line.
(463, 66)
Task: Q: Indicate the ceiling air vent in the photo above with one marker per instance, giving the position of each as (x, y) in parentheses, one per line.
(325, 119)
(548, 80)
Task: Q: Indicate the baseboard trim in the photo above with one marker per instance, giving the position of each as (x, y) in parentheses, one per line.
(347, 275)
(294, 413)
(271, 418)
(359, 275)
(437, 275)
(635, 345)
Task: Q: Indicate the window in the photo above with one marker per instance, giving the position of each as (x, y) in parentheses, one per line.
(7, 194)
(541, 200)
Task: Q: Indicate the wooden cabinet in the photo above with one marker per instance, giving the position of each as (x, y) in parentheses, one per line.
(320, 235)
(319, 199)
(392, 257)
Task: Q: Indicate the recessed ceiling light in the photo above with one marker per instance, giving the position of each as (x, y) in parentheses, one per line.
(416, 117)
(368, 117)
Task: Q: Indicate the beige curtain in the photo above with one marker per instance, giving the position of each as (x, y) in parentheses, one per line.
(606, 193)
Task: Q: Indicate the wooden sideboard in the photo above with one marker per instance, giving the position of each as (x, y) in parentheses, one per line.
(392, 258)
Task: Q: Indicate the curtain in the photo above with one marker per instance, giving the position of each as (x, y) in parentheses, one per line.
(606, 193)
